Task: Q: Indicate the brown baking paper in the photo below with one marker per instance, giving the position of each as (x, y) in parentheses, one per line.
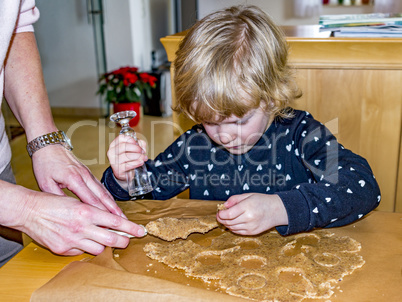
(129, 275)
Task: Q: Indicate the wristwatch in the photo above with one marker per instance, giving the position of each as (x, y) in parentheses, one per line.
(54, 138)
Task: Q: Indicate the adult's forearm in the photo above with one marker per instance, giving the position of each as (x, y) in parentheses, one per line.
(15, 203)
(24, 87)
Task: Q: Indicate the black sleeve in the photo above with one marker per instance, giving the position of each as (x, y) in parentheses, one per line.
(118, 193)
(342, 189)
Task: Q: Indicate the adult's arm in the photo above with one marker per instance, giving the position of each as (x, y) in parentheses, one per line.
(54, 167)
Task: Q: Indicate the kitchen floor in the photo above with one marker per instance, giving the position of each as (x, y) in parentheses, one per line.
(90, 138)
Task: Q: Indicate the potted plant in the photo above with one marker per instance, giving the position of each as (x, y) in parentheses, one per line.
(125, 88)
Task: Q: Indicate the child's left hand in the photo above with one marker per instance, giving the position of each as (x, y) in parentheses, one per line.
(252, 213)
(126, 154)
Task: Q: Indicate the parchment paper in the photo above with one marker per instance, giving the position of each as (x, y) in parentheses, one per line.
(129, 275)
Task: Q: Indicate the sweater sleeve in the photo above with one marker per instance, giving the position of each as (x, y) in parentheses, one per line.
(342, 188)
(119, 193)
(29, 14)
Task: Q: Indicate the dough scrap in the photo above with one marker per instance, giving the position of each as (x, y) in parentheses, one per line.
(268, 267)
(221, 207)
(169, 229)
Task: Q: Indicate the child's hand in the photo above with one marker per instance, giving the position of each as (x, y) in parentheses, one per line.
(125, 154)
(253, 213)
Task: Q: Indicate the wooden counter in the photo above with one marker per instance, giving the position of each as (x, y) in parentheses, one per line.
(378, 280)
(354, 87)
(30, 269)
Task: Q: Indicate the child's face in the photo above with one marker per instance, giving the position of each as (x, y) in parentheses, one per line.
(239, 135)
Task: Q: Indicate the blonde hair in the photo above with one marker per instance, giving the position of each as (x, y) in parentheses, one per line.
(230, 62)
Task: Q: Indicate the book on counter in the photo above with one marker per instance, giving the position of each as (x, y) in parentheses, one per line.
(363, 25)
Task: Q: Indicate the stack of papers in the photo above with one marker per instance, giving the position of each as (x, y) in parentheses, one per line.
(363, 25)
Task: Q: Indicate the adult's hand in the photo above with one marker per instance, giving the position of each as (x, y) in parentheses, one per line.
(63, 224)
(56, 168)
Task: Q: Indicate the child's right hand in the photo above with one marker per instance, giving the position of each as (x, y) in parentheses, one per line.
(125, 154)
(253, 213)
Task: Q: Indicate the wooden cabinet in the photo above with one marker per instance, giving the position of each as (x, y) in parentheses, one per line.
(354, 86)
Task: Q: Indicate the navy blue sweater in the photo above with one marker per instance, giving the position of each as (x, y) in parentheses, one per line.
(321, 183)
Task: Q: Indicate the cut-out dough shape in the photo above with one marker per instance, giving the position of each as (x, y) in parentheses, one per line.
(173, 228)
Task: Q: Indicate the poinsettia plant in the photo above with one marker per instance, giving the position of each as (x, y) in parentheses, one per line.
(126, 85)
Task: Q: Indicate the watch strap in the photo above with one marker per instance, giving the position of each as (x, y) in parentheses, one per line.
(53, 138)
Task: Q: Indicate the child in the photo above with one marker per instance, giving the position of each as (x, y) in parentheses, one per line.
(274, 166)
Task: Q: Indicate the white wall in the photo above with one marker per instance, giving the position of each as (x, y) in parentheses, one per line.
(64, 40)
(66, 44)
(150, 20)
(118, 33)
(281, 11)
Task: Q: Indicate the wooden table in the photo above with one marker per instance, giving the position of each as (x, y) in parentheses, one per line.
(30, 269)
(380, 234)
